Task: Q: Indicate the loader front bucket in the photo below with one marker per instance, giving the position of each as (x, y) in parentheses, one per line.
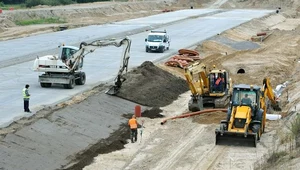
(233, 139)
(112, 90)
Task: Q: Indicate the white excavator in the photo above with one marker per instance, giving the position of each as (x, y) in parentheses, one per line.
(65, 68)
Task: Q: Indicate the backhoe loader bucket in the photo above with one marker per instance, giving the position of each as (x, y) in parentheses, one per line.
(112, 90)
(234, 139)
(276, 106)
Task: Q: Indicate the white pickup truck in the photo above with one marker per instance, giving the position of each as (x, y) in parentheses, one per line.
(157, 41)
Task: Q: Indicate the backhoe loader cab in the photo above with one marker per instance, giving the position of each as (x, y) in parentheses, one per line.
(244, 119)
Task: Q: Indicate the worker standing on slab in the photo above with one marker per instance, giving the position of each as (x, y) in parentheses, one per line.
(26, 97)
(133, 128)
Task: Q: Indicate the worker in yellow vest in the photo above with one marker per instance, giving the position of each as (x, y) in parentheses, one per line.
(26, 97)
(133, 128)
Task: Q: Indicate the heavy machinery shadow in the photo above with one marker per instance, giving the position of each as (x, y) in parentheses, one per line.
(249, 141)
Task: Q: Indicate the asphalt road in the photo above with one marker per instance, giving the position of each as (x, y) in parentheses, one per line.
(184, 28)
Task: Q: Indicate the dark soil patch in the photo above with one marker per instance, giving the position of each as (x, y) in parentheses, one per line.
(115, 141)
(152, 86)
(152, 113)
(210, 118)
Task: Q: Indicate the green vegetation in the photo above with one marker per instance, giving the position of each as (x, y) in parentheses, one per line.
(295, 128)
(40, 21)
(14, 6)
(17, 4)
(276, 156)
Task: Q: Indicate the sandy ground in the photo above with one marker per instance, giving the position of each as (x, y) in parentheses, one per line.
(189, 143)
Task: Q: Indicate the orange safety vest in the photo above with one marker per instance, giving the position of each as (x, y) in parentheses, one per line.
(218, 81)
(132, 123)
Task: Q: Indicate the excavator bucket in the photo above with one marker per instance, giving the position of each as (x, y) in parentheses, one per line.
(233, 139)
(276, 106)
(112, 91)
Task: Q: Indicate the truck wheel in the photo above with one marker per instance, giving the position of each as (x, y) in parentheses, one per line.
(71, 84)
(81, 79)
(162, 50)
(46, 85)
(147, 50)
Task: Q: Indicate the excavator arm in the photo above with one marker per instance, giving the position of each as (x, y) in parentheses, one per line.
(86, 48)
(268, 91)
(196, 77)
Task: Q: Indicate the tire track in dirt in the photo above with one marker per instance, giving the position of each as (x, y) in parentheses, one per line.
(181, 150)
(210, 158)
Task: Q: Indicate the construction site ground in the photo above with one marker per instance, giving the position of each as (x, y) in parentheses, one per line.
(187, 143)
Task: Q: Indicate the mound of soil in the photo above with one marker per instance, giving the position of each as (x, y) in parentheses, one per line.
(152, 113)
(152, 86)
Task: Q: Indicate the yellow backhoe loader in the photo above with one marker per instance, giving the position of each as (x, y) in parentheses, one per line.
(212, 87)
(246, 117)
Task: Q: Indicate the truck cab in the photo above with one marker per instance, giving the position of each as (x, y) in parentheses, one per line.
(158, 41)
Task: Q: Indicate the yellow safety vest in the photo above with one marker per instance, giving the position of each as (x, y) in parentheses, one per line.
(24, 94)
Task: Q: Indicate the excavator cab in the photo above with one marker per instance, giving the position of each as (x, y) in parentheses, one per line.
(218, 81)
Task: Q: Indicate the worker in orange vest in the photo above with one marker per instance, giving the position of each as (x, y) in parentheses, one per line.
(219, 83)
(133, 128)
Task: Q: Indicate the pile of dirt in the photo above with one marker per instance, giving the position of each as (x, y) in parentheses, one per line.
(152, 86)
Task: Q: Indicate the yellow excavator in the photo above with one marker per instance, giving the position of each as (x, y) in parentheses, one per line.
(208, 87)
(246, 116)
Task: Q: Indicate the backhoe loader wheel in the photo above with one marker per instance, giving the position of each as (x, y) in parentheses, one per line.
(255, 140)
(81, 79)
(256, 129)
(71, 84)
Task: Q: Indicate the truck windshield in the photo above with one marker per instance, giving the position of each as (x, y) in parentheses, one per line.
(155, 38)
